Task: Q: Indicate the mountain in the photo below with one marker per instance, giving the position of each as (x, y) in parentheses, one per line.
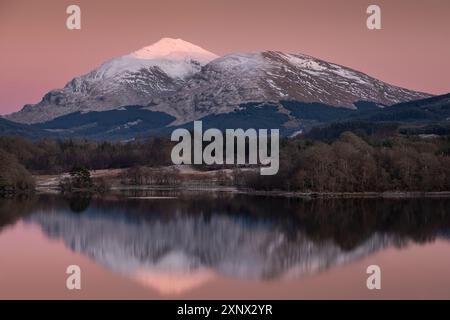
(173, 82)
(168, 77)
(133, 79)
(230, 81)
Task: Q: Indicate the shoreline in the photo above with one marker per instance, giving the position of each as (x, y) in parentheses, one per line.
(208, 184)
(272, 193)
(352, 195)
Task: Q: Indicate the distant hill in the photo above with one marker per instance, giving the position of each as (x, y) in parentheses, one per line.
(9, 128)
(430, 109)
(418, 117)
(120, 124)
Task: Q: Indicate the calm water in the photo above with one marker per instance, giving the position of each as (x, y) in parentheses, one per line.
(211, 246)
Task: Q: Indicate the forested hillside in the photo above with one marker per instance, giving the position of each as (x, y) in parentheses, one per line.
(353, 162)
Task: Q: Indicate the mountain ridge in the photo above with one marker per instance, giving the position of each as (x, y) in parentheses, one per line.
(189, 82)
(272, 76)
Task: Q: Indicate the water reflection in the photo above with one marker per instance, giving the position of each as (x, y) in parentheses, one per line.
(176, 244)
(13, 209)
(79, 202)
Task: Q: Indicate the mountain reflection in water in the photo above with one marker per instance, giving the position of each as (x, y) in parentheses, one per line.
(189, 239)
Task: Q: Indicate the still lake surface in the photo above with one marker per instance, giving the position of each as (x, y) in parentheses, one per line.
(218, 245)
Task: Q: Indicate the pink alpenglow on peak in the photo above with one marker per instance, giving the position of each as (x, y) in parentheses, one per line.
(173, 49)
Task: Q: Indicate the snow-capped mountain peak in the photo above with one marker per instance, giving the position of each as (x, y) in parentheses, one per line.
(188, 82)
(132, 79)
(175, 57)
(174, 49)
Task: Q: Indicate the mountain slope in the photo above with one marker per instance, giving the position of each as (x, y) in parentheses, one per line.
(9, 128)
(227, 82)
(120, 124)
(189, 83)
(291, 117)
(133, 79)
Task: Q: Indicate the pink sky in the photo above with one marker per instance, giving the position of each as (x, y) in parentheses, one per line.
(38, 53)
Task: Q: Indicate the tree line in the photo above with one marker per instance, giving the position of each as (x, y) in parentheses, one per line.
(51, 156)
(355, 163)
(350, 163)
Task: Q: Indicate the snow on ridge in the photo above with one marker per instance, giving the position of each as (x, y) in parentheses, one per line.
(302, 61)
(176, 57)
(316, 67)
(128, 64)
(240, 61)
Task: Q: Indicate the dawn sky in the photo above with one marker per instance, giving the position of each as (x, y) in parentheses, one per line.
(38, 53)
